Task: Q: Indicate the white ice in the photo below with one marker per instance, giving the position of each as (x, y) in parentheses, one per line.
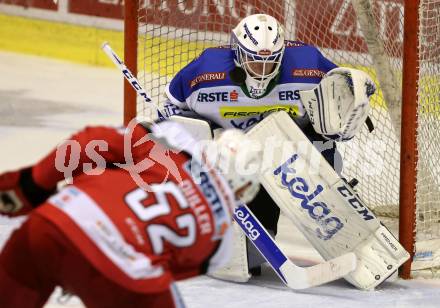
(43, 101)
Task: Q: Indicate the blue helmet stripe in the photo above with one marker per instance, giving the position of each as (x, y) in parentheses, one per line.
(251, 37)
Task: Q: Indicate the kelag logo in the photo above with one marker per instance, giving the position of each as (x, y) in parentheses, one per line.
(300, 190)
(243, 117)
(247, 222)
(249, 122)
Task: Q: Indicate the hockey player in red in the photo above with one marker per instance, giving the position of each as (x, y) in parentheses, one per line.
(109, 239)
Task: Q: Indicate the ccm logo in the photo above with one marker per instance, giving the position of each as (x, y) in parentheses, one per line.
(355, 203)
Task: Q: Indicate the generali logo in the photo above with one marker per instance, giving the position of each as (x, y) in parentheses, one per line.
(294, 44)
(308, 73)
(207, 77)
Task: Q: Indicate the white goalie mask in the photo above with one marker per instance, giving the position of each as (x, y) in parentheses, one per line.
(258, 45)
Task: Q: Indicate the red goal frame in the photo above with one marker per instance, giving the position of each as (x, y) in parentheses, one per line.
(408, 151)
(130, 56)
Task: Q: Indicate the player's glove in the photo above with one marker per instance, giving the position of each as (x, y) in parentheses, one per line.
(19, 193)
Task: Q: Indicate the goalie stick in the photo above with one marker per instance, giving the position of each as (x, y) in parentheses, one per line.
(129, 76)
(293, 276)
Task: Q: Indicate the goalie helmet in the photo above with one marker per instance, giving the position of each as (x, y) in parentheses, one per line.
(238, 162)
(258, 45)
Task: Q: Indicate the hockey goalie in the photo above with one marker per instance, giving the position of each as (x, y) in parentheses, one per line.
(241, 86)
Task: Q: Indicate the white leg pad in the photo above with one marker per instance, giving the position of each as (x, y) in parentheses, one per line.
(323, 207)
(237, 268)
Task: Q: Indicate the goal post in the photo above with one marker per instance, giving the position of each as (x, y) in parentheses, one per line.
(397, 165)
(408, 155)
(131, 8)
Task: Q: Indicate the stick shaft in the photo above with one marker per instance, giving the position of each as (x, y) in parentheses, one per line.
(128, 75)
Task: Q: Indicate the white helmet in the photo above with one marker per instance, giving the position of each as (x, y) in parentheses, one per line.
(258, 45)
(239, 163)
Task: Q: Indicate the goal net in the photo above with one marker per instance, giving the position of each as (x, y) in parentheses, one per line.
(364, 34)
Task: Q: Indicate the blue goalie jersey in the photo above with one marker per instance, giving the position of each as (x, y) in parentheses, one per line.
(204, 87)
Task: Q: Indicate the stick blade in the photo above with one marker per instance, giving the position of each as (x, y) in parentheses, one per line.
(305, 277)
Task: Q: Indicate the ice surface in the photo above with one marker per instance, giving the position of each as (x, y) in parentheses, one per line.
(43, 101)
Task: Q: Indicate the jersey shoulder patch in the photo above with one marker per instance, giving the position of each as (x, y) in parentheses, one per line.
(303, 63)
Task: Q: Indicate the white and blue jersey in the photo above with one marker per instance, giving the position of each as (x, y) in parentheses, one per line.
(204, 87)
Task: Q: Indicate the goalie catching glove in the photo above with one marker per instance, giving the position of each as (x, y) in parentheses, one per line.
(339, 105)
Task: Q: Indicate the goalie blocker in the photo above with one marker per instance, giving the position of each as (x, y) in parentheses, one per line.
(323, 206)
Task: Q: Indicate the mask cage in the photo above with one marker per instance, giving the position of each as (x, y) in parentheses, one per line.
(246, 59)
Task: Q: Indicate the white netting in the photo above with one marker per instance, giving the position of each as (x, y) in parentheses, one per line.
(173, 32)
(428, 133)
(372, 158)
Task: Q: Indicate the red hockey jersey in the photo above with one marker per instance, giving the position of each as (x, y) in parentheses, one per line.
(142, 237)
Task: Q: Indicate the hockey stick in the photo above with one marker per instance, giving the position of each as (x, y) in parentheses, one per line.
(293, 276)
(129, 76)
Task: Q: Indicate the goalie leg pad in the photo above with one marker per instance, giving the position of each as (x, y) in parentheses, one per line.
(322, 206)
(237, 268)
(381, 255)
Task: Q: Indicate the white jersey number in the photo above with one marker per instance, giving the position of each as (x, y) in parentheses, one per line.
(159, 233)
